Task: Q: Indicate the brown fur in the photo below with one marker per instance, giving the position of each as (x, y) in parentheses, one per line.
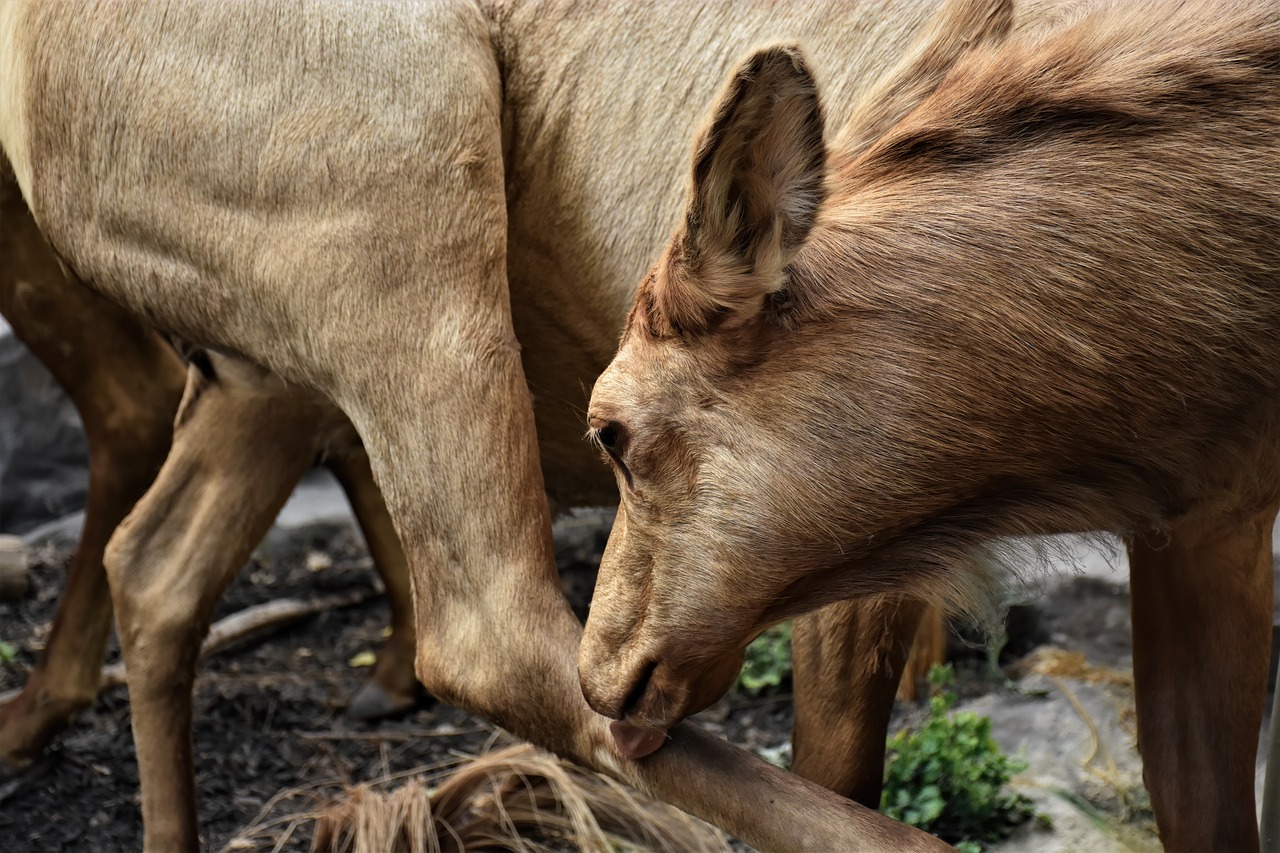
(126, 393)
(1044, 300)
(241, 443)
(377, 204)
(126, 384)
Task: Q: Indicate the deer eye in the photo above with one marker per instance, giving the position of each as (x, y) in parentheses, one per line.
(610, 437)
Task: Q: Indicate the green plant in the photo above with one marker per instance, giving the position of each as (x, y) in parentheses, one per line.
(767, 663)
(8, 654)
(948, 776)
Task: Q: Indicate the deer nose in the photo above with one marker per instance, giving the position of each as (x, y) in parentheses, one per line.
(617, 694)
(613, 684)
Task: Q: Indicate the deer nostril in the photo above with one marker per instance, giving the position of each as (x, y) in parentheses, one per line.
(639, 688)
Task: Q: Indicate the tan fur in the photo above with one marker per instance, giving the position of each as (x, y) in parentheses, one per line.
(241, 443)
(599, 100)
(13, 79)
(1044, 300)
(377, 203)
(126, 384)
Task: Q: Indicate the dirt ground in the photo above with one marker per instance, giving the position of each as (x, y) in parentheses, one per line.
(273, 745)
(268, 719)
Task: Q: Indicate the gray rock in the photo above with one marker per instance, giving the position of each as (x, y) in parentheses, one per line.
(14, 564)
(61, 534)
(43, 454)
(317, 499)
(318, 512)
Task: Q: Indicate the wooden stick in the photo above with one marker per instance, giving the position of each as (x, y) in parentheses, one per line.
(242, 624)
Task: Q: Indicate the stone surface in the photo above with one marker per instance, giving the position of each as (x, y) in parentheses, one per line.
(43, 455)
(1084, 771)
(14, 567)
(61, 533)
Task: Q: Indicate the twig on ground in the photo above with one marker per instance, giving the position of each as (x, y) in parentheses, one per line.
(399, 734)
(241, 625)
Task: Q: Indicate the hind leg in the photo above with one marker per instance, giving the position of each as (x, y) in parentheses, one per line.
(238, 451)
(393, 688)
(1201, 644)
(126, 384)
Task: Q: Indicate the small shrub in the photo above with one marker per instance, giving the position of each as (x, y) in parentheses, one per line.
(8, 654)
(948, 777)
(767, 664)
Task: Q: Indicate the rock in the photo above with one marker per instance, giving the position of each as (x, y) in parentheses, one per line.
(43, 453)
(580, 537)
(62, 534)
(14, 566)
(317, 499)
(1083, 770)
(581, 534)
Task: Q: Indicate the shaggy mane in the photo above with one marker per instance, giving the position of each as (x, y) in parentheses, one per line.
(1089, 81)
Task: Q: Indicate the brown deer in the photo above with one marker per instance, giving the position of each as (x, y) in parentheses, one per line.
(1046, 299)
(408, 191)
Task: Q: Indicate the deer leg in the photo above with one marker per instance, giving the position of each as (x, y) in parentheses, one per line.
(1201, 643)
(235, 459)
(126, 384)
(847, 662)
(495, 633)
(393, 687)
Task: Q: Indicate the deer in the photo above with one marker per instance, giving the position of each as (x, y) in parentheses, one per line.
(127, 383)
(1046, 298)
(397, 233)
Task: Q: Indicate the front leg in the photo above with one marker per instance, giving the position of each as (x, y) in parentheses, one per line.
(1201, 644)
(847, 662)
(460, 470)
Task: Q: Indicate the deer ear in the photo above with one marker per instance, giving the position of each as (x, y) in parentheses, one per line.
(754, 191)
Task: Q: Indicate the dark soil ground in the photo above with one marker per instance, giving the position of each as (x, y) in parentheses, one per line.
(268, 717)
(273, 745)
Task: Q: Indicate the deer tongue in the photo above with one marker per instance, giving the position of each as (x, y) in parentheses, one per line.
(634, 742)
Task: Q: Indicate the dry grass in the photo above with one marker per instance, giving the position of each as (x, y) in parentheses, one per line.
(514, 799)
(1127, 797)
(1055, 662)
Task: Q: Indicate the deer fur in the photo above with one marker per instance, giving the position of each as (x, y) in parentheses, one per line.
(1045, 298)
(126, 384)
(383, 204)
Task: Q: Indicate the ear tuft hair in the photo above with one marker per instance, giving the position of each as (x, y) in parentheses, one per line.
(755, 187)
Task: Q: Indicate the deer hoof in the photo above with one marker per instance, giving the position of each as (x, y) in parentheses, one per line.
(374, 702)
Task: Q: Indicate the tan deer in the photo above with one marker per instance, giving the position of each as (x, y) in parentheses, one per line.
(126, 384)
(1047, 299)
(377, 203)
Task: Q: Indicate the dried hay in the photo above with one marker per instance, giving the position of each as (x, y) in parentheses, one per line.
(1059, 663)
(1128, 797)
(514, 799)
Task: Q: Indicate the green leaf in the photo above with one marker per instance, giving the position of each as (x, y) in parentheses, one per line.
(948, 776)
(767, 663)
